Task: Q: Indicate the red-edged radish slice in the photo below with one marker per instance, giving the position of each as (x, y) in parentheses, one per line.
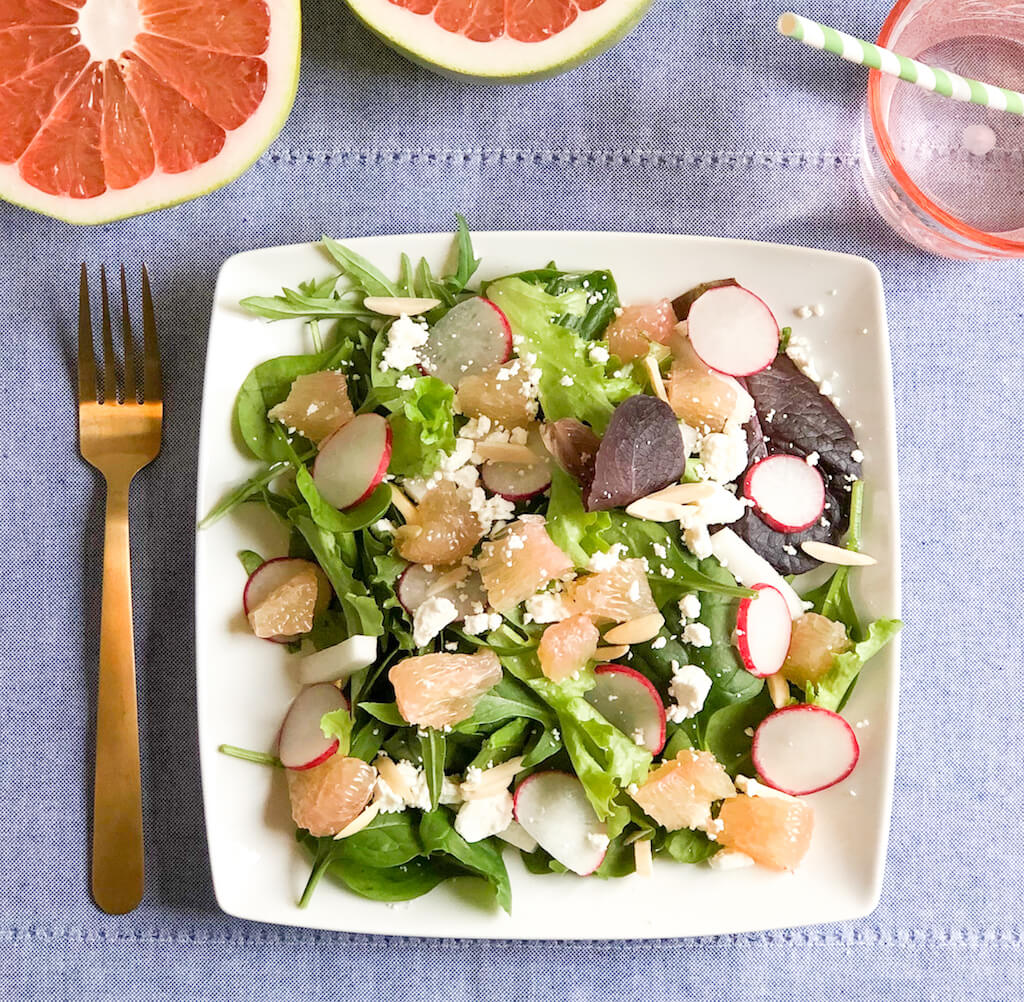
(334, 664)
(628, 701)
(353, 460)
(552, 807)
(301, 743)
(271, 575)
(788, 493)
(416, 584)
(749, 568)
(763, 630)
(472, 336)
(516, 481)
(802, 749)
(733, 331)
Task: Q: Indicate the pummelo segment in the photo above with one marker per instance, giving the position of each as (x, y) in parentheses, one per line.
(109, 108)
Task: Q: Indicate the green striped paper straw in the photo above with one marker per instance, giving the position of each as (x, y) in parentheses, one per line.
(856, 50)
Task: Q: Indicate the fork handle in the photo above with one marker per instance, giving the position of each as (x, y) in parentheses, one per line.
(117, 875)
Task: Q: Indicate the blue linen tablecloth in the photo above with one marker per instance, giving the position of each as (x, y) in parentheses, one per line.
(702, 121)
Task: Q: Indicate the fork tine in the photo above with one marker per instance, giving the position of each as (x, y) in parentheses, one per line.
(153, 391)
(109, 365)
(86, 358)
(129, 351)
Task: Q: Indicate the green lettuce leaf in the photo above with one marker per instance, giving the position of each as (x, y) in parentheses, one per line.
(571, 385)
(422, 425)
(338, 724)
(577, 533)
(832, 690)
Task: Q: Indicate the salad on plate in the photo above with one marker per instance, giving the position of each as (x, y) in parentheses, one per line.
(545, 584)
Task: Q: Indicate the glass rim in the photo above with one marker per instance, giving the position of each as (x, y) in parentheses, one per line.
(916, 195)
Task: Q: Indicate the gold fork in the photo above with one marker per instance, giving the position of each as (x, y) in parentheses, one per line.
(119, 439)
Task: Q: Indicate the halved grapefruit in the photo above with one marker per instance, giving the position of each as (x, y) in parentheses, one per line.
(500, 40)
(109, 108)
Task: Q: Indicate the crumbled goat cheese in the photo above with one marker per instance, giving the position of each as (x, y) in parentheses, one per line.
(697, 635)
(659, 550)
(811, 459)
(518, 436)
(451, 792)
(480, 819)
(752, 788)
(459, 456)
(415, 780)
(431, 618)
(405, 382)
(724, 455)
(481, 622)
(383, 525)
(689, 689)
(490, 509)
(546, 607)
(698, 541)
(404, 338)
(721, 508)
(729, 859)
(857, 456)
(803, 312)
(638, 737)
(691, 438)
(658, 643)
(598, 840)
(605, 560)
(599, 354)
(818, 310)
(689, 606)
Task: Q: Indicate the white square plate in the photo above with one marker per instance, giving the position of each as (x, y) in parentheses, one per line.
(244, 684)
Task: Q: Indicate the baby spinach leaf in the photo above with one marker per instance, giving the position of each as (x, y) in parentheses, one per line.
(507, 700)
(395, 883)
(387, 713)
(501, 745)
(619, 860)
(388, 840)
(352, 519)
(250, 560)
(367, 739)
(480, 858)
(725, 731)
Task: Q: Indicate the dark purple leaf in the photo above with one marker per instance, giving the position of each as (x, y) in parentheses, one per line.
(792, 416)
(641, 452)
(573, 446)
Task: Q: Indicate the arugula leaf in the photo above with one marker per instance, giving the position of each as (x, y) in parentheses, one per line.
(352, 519)
(338, 724)
(571, 385)
(432, 754)
(508, 700)
(367, 739)
(291, 305)
(249, 489)
(366, 276)
(250, 561)
(832, 689)
(480, 858)
(466, 264)
(501, 745)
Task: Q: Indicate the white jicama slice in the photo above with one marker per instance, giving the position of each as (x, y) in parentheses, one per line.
(275, 573)
(396, 306)
(417, 584)
(353, 461)
(788, 493)
(471, 337)
(733, 331)
(553, 808)
(340, 662)
(749, 568)
(802, 749)
(628, 701)
(301, 743)
(764, 627)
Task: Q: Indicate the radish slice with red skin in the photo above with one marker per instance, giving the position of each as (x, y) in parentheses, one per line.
(628, 701)
(470, 338)
(764, 628)
(353, 460)
(749, 568)
(802, 749)
(552, 807)
(733, 331)
(416, 584)
(516, 481)
(269, 576)
(301, 743)
(788, 493)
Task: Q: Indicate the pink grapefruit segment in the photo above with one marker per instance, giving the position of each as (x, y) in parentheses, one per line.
(486, 20)
(98, 98)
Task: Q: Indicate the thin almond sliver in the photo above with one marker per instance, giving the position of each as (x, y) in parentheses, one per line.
(360, 821)
(654, 374)
(683, 493)
(395, 306)
(654, 510)
(636, 631)
(506, 452)
(403, 504)
(390, 774)
(643, 857)
(611, 653)
(829, 554)
(492, 781)
(778, 690)
(447, 580)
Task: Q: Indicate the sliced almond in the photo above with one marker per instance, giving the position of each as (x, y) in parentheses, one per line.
(829, 554)
(506, 452)
(395, 306)
(611, 653)
(643, 857)
(778, 690)
(403, 504)
(683, 493)
(390, 774)
(491, 781)
(652, 509)
(447, 580)
(654, 374)
(636, 631)
(360, 821)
